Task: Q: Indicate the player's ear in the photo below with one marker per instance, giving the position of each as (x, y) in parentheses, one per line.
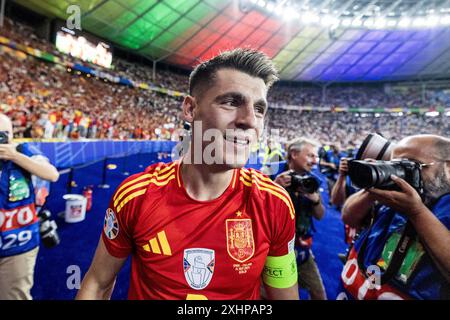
(188, 108)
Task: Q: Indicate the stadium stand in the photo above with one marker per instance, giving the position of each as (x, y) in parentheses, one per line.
(51, 102)
(41, 96)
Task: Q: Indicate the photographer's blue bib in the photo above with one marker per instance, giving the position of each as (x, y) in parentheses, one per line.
(19, 225)
(417, 277)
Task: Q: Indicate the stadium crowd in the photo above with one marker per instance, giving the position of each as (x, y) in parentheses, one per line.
(351, 128)
(47, 101)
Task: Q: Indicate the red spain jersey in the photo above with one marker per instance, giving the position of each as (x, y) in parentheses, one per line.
(183, 248)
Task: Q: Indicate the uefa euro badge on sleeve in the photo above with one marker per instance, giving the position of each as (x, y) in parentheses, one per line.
(198, 265)
(18, 187)
(111, 225)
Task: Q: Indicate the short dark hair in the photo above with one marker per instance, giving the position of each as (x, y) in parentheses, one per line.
(254, 63)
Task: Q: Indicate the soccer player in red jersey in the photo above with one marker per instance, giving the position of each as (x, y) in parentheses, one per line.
(204, 227)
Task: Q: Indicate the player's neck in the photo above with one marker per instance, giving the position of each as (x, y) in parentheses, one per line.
(204, 182)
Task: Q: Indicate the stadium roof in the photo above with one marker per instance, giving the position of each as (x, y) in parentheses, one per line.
(350, 46)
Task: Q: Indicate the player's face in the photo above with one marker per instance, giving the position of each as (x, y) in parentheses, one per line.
(234, 105)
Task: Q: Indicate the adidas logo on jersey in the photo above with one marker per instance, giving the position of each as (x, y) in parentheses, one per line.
(158, 245)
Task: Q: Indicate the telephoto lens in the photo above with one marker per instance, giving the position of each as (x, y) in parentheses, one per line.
(47, 229)
(375, 147)
(377, 174)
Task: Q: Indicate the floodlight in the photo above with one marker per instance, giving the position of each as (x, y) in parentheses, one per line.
(404, 22)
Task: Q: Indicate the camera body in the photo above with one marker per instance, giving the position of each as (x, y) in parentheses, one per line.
(4, 137)
(47, 229)
(377, 174)
(306, 183)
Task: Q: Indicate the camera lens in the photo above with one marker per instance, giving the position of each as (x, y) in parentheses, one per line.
(375, 147)
(384, 172)
(374, 174)
(49, 235)
(361, 174)
(47, 229)
(310, 185)
(45, 215)
(307, 183)
(50, 239)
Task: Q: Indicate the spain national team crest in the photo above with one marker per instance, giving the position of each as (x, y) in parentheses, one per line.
(240, 243)
(111, 225)
(198, 265)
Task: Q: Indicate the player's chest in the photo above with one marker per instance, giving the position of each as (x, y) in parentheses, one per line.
(231, 237)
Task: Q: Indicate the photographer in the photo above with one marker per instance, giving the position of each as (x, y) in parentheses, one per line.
(19, 224)
(404, 252)
(342, 189)
(329, 163)
(303, 188)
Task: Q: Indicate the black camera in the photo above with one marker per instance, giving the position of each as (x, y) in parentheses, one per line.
(47, 229)
(377, 174)
(306, 183)
(4, 137)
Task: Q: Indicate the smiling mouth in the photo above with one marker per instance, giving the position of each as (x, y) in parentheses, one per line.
(239, 141)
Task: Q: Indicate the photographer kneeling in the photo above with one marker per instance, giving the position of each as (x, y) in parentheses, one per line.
(19, 224)
(404, 253)
(303, 188)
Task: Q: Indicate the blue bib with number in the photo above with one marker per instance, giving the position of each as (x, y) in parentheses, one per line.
(19, 225)
(418, 276)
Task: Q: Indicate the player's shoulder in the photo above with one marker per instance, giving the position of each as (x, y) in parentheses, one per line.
(265, 189)
(259, 179)
(135, 186)
(161, 168)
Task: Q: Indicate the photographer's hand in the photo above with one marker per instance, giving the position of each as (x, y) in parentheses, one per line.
(433, 233)
(343, 167)
(314, 197)
(318, 208)
(8, 152)
(38, 166)
(284, 179)
(406, 201)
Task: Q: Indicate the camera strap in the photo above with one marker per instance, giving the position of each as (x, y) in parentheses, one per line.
(399, 254)
(383, 150)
